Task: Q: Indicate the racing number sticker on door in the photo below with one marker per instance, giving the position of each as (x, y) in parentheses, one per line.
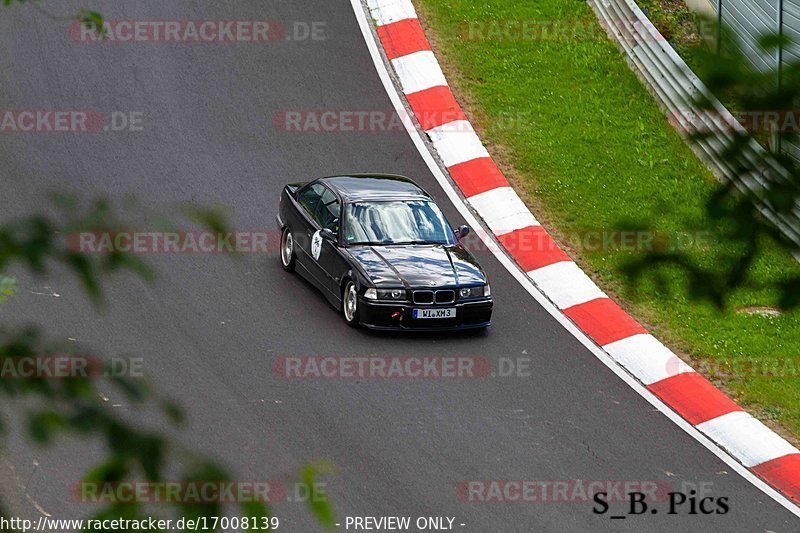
(316, 245)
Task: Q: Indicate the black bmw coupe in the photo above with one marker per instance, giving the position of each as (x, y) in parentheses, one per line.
(382, 252)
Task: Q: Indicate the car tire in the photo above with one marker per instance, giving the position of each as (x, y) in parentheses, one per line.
(287, 250)
(350, 308)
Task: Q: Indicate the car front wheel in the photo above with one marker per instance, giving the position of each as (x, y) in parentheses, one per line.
(287, 251)
(350, 304)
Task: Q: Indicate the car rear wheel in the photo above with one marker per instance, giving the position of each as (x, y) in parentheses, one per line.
(350, 304)
(287, 251)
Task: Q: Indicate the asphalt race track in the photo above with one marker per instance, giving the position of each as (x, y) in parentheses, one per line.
(211, 327)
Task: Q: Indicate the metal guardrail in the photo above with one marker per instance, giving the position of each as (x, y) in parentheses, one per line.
(676, 87)
(748, 20)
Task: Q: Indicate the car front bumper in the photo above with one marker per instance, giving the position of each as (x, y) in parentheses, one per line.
(399, 315)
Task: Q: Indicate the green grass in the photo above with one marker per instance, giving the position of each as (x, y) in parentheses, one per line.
(682, 28)
(588, 148)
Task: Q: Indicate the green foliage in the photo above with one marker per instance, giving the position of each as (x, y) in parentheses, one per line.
(38, 240)
(8, 287)
(74, 405)
(92, 20)
(318, 503)
(734, 208)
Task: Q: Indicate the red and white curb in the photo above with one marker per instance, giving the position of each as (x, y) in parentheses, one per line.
(485, 188)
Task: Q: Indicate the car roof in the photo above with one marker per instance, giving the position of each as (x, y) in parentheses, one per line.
(356, 187)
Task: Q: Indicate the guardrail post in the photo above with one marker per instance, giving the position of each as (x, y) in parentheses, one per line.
(779, 60)
(719, 26)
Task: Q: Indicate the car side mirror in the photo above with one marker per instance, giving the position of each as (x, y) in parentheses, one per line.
(327, 234)
(462, 231)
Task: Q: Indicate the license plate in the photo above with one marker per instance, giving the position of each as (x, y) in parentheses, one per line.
(450, 312)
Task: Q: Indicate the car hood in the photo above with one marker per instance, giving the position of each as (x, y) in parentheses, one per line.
(418, 266)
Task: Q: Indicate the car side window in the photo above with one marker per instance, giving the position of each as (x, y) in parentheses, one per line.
(309, 198)
(328, 211)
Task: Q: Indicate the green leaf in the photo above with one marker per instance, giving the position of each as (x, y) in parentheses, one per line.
(92, 20)
(8, 287)
(318, 501)
(111, 471)
(44, 424)
(212, 219)
(256, 510)
(135, 390)
(174, 412)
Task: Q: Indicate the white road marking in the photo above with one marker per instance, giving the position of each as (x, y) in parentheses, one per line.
(456, 142)
(746, 438)
(418, 71)
(50, 292)
(388, 11)
(502, 210)
(566, 284)
(659, 364)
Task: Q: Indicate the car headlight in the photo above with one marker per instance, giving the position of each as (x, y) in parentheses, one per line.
(475, 292)
(371, 294)
(391, 294)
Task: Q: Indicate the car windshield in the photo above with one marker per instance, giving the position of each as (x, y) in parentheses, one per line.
(399, 222)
